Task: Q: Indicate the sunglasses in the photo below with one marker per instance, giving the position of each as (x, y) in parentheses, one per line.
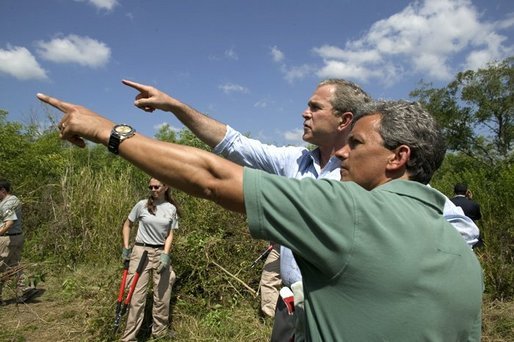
(154, 187)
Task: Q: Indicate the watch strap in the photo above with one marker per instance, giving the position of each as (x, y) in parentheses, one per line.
(119, 133)
(114, 142)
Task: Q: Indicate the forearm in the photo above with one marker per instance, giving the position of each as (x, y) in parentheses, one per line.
(5, 226)
(208, 130)
(194, 171)
(126, 233)
(167, 242)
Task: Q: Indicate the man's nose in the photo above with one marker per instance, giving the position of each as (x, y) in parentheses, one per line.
(343, 152)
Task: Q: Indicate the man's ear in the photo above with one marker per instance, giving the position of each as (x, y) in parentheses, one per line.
(399, 158)
(345, 120)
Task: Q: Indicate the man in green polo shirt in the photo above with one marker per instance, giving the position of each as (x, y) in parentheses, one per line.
(379, 261)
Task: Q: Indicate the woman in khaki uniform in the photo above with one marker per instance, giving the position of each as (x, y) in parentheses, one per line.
(158, 217)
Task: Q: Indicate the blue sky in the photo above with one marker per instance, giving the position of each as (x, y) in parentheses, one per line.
(251, 64)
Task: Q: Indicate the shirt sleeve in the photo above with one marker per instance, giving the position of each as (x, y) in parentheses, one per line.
(9, 209)
(174, 225)
(174, 217)
(463, 224)
(135, 212)
(279, 209)
(252, 153)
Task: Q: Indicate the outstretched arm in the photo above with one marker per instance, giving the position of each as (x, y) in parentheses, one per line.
(206, 129)
(194, 171)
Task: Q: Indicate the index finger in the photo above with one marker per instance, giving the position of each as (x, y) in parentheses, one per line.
(137, 86)
(56, 103)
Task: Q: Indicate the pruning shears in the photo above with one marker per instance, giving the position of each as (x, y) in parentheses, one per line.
(263, 256)
(121, 306)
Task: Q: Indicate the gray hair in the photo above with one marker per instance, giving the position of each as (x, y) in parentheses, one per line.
(347, 97)
(408, 123)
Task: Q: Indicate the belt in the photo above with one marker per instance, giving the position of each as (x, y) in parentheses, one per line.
(143, 244)
(12, 234)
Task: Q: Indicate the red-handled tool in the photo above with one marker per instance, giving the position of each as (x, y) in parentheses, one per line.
(121, 306)
(263, 256)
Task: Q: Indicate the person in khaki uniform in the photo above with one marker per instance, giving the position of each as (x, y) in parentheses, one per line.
(270, 282)
(158, 218)
(11, 237)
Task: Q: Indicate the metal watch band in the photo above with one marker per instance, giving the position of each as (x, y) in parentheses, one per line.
(114, 143)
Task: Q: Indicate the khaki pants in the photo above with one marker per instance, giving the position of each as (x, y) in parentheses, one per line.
(10, 256)
(162, 284)
(270, 282)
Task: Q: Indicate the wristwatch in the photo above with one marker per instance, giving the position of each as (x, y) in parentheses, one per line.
(118, 134)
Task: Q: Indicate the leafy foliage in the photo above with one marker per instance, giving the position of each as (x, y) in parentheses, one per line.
(477, 110)
(491, 186)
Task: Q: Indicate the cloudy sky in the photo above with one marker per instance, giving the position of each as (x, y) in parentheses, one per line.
(252, 64)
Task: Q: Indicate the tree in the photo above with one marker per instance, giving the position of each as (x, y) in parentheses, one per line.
(166, 133)
(14, 142)
(476, 110)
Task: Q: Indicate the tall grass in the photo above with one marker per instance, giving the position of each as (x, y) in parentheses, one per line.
(493, 189)
(81, 216)
(76, 225)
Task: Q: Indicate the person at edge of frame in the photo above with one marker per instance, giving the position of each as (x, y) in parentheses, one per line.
(12, 241)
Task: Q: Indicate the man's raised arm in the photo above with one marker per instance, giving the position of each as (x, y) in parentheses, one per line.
(205, 128)
(194, 171)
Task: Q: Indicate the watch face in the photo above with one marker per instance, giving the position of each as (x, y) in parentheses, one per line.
(123, 129)
(118, 134)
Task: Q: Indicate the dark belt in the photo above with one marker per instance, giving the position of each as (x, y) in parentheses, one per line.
(12, 234)
(142, 244)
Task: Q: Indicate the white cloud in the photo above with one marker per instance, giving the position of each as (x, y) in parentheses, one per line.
(277, 55)
(103, 4)
(507, 22)
(297, 72)
(261, 104)
(339, 69)
(294, 136)
(75, 49)
(427, 38)
(20, 63)
(229, 88)
(231, 54)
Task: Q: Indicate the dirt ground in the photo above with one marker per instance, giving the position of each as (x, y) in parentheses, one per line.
(42, 318)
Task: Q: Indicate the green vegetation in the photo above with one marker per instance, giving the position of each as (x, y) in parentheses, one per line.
(75, 201)
(476, 110)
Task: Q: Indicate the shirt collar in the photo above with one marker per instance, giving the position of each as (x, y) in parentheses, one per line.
(415, 190)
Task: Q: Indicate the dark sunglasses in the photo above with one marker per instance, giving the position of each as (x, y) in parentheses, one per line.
(154, 187)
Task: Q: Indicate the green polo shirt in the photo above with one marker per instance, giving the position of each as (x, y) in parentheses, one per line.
(380, 265)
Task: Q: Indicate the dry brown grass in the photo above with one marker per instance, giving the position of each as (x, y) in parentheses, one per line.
(497, 320)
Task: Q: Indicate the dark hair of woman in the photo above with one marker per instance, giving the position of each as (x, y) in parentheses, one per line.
(150, 204)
